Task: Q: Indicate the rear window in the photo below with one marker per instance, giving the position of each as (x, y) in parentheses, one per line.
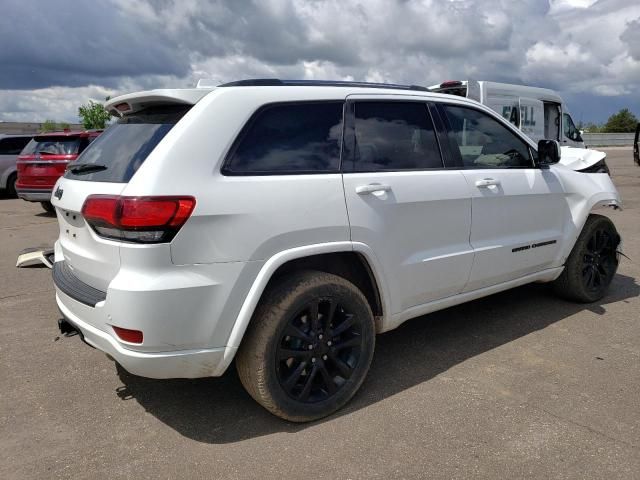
(123, 147)
(288, 139)
(52, 145)
(393, 136)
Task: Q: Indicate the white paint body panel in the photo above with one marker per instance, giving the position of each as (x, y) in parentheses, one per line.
(580, 158)
(527, 207)
(432, 239)
(410, 229)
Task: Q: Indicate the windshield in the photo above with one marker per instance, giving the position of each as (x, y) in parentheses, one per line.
(124, 146)
(51, 145)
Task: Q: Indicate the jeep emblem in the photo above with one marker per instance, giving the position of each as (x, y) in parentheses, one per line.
(58, 193)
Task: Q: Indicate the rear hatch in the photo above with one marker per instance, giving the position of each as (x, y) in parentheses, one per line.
(91, 253)
(45, 158)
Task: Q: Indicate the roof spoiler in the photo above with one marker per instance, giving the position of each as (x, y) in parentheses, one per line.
(133, 102)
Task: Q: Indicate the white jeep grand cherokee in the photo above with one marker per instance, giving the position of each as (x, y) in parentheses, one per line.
(285, 223)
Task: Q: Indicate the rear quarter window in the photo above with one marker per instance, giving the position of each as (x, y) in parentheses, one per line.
(288, 139)
(123, 147)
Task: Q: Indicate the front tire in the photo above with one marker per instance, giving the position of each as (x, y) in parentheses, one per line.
(592, 263)
(309, 346)
(48, 207)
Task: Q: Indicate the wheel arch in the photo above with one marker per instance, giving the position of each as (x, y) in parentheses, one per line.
(594, 205)
(354, 261)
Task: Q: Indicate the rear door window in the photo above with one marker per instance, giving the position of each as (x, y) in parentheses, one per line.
(391, 136)
(289, 139)
(121, 149)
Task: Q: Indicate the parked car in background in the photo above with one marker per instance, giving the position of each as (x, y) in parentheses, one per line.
(636, 151)
(45, 159)
(10, 148)
(285, 223)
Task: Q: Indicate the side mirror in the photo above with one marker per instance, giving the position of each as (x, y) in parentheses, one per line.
(548, 152)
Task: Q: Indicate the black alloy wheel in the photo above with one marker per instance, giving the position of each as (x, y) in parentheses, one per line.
(318, 351)
(592, 263)
(599, 261)
(309, 346)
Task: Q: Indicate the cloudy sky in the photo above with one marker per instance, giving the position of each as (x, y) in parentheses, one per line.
(57, 54)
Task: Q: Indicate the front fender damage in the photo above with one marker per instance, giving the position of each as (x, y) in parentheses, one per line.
(580, 159)
(585, 194)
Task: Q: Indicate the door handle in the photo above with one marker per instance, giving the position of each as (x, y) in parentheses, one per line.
(372, 188)
(487, 182)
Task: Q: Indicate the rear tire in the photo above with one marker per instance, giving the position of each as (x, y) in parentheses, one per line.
(309, 346)
(47, 207)
(592, 263)
(11, 185)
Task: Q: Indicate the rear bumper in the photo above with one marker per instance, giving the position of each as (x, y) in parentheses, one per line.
(177, 364)
(34, 194)
(182, 312)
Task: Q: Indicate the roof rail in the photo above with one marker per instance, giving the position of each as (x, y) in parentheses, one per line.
(276, 82)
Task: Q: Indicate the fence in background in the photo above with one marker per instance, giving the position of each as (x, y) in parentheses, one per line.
(608, 139)
(16, 128)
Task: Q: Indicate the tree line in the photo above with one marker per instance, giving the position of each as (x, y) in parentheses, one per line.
(622, 122)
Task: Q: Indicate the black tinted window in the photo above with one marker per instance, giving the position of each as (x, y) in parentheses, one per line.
(290, 138)
(13, 145)
(394, 136)
(483, 142)
(123, 147)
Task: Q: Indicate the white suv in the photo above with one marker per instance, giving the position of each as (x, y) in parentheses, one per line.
(285, 223)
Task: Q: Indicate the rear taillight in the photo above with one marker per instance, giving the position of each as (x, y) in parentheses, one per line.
(137, 219)
(127, 335)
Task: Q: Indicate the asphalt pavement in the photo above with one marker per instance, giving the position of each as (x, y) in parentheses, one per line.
(517, 385)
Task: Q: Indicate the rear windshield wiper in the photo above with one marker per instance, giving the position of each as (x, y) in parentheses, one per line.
(80, 168)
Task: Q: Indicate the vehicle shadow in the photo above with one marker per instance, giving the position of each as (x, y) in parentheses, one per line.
(46, 214)
(218, 410)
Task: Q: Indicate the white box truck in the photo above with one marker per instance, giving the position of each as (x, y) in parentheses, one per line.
(539, 112)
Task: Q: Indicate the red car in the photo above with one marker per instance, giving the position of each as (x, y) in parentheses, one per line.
(45, 159)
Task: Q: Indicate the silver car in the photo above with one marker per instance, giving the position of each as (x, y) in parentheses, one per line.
(10, 148)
